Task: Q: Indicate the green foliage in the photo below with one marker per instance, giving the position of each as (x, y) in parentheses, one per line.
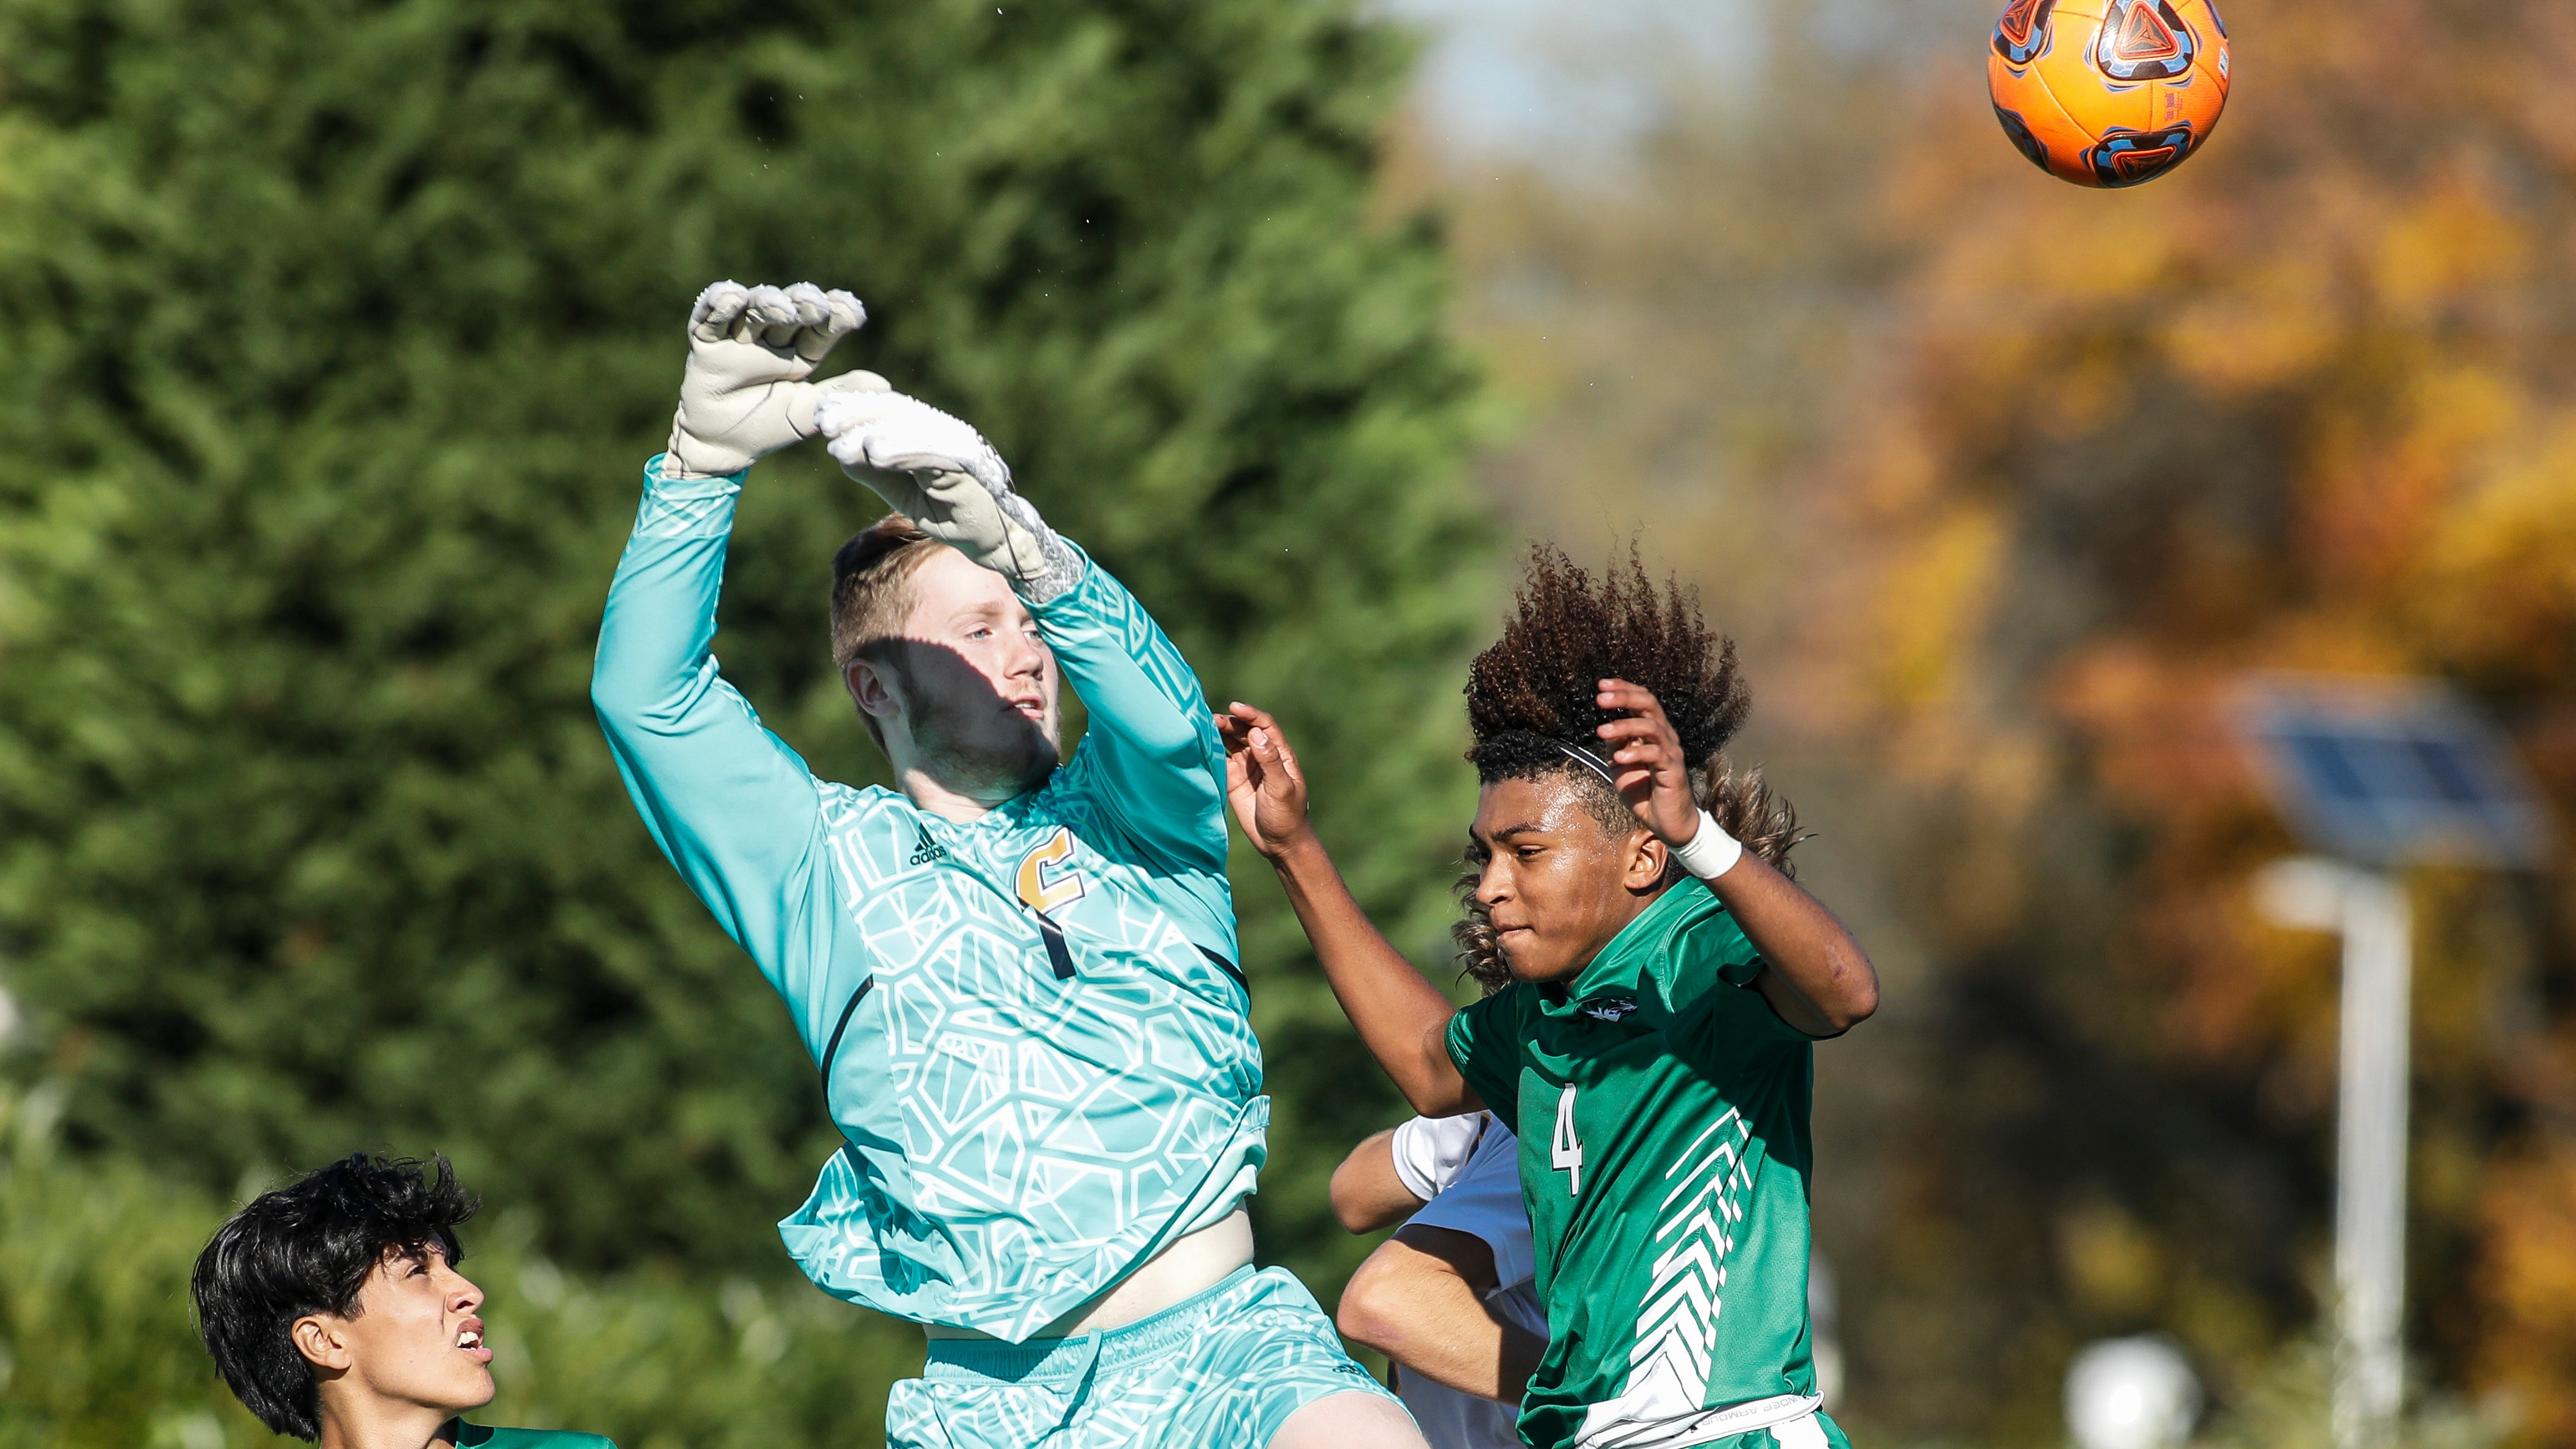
(340, 332)
(96, 1351)
(2288, 1403)
(95, 1348)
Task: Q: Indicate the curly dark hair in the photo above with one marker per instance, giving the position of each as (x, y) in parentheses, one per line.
(1530, 702)
(308, 1248)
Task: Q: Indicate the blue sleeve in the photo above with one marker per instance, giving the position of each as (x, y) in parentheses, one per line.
(1150, 755)
(733, 808)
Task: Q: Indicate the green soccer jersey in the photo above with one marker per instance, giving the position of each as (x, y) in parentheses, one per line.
(1662, 1110)
(479, 1436)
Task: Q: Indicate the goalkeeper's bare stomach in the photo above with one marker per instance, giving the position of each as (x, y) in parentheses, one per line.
(1189, 1266)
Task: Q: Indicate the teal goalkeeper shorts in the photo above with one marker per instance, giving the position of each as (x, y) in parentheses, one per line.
(1223, 1368)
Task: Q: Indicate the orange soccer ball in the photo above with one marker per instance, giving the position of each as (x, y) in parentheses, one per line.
(2108, 92)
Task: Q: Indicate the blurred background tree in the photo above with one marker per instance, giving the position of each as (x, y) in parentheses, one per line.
(2003, 483)
(2306, 409)
(343, 331)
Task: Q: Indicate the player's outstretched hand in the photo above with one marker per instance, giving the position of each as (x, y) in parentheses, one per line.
(937, 470)
(745, 394)
(1646, 753)
(1262, 781)
(895, 434)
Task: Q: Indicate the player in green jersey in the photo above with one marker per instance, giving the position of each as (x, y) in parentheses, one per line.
(335, 1312)
(1653, 1051)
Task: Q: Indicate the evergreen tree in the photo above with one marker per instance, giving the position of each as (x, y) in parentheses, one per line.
(339, 333)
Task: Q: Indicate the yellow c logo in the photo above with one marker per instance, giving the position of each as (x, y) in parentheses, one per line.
(1046, 881)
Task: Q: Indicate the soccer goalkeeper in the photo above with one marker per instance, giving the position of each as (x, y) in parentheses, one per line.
(1017, 979)
(1653, 1052)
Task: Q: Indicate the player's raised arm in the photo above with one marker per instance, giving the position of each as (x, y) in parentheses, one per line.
(1401, 1016)
(1815, 975)
(731, 806)
(1149, 734)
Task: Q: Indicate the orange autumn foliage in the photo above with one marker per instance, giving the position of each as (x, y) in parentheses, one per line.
(2309, 403)
(2005, 485)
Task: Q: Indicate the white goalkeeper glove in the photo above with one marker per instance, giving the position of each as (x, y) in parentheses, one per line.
(941, 473)
(744, 395)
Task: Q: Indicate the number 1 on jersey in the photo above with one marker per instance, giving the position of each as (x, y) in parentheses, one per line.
(1565, 1150)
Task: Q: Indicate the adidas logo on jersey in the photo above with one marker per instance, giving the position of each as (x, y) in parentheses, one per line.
(925, 850)
(1610, 1008)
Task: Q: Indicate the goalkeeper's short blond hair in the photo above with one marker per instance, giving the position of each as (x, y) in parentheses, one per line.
(872, 596)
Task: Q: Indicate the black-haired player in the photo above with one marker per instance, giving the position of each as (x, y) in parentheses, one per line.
(1653, 1050)
(335, 1312)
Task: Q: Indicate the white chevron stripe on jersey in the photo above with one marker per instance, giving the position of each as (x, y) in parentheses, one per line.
(1667, 1382)
(1679, 1320)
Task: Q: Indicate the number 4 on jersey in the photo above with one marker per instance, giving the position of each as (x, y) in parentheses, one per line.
(1565, 1150)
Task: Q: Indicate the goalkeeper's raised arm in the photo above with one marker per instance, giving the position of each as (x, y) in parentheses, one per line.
(732, 807)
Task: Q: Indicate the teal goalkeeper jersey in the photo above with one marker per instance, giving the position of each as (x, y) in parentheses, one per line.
(481, 1436)
(1033, 1035)
(1662, 1110)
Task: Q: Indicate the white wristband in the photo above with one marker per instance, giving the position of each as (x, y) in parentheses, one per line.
(1712, 852)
